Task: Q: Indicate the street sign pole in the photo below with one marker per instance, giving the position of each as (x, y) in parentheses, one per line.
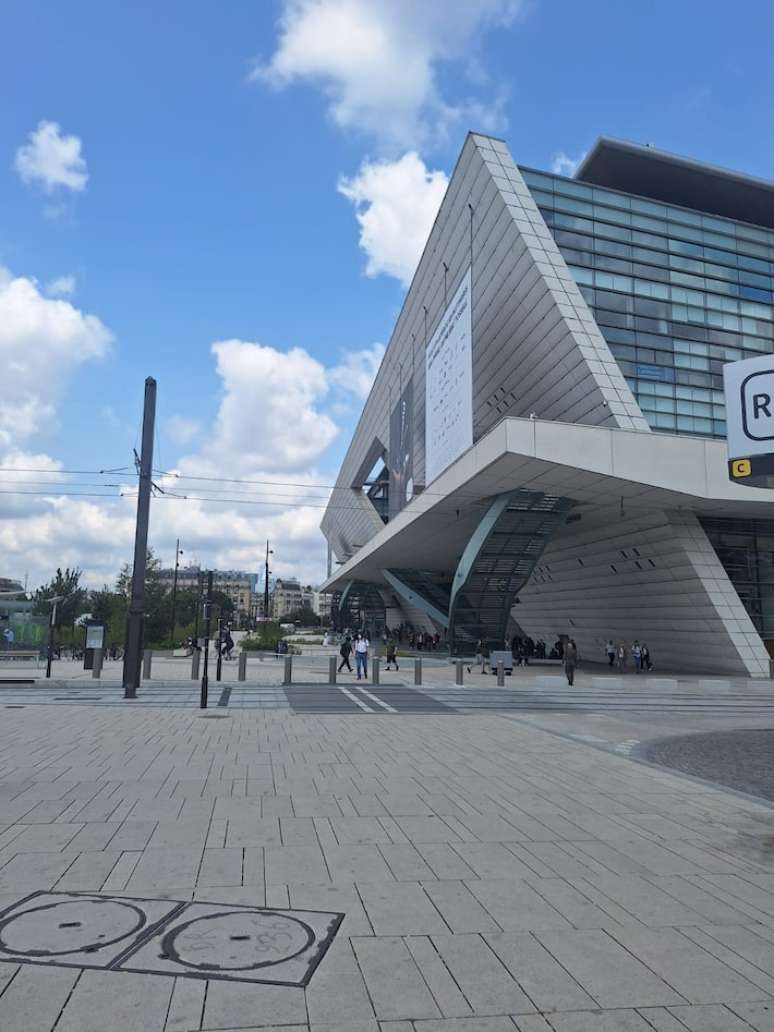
(207, 616)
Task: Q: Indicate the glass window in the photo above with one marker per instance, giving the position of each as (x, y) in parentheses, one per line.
(682, 215)
(572, 188)
(609, 197)
(575, 206)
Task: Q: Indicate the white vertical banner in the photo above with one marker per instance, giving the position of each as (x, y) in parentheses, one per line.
(449, 384)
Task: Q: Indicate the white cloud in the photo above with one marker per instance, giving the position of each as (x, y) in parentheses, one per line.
(62, 286)
(269, 418)
(396, 203)
(182, 430)
(563, 165)
(376, 60)
(273, 425)
(52, 159)
(356, 373)
(42, 342)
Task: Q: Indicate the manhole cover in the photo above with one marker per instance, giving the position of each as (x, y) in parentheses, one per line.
(69, 926)
(167, 937)
(233, 941)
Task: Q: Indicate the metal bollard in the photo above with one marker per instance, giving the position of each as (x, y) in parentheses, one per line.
(417, 671)
(458, 671)
(147, 660)
(195, 659)
(242, 673)
(375, 670)
(501, 674)
(332, 670)
(96, 670)
(287, 676)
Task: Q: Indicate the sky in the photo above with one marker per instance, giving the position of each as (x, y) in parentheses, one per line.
(232, 198)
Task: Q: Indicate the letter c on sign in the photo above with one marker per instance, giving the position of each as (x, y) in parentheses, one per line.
(741, 468)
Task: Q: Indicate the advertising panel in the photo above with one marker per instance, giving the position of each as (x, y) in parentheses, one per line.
(449, 385)
(749, 396)
(402, 451)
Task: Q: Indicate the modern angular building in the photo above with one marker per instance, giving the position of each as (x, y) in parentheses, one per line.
(543, 452)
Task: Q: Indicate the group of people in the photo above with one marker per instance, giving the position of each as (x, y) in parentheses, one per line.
(618, 656)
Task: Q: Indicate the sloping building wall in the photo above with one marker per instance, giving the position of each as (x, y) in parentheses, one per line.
(654, 577)
(536, 347)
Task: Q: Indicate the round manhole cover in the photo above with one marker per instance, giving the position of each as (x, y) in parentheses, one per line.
(237, 941)
(70, 926)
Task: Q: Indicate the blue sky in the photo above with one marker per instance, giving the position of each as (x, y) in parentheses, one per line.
(228, 149)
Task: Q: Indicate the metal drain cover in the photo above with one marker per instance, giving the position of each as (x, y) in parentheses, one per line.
(167, 937)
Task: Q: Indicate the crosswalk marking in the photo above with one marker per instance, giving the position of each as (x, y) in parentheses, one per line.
(358, 702)
(373, 698)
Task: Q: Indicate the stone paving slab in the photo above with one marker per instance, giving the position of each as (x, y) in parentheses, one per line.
(493, 875)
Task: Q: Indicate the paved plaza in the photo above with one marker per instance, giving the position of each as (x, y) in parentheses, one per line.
(492, 875)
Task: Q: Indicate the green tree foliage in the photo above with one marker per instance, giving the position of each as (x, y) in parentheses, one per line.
(75, 600)
(304, 616)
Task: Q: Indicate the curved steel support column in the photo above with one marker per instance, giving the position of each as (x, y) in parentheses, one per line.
(362, 603)
(415, 588)
(498, 561)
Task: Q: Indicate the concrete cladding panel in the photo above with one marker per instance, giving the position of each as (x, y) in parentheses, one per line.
(536, 347)
(654, 577)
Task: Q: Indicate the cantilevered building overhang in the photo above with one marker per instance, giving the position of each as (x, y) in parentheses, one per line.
(590, 497)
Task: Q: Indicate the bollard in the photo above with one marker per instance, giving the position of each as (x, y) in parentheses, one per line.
(195, 658)
(500, 674)
(96, 670)
(458, 672)
(287, 676)
(147, 660)
(417, 671)
(332, 670)
(242, 673)
(375, 670)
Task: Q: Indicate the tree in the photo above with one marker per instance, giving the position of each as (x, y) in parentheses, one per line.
(65, 584)
(110, 609)
(305, 616)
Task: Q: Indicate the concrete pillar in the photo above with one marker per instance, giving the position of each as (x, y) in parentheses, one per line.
(458, 671)
(375, 670)
(195, 660)
(417, 671)
(500, 674)
(96, 670)
(287, 676)
(147, 660)
(332, 670)
(242, 673)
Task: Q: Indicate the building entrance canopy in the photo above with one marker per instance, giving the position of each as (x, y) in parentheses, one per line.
(597, 467)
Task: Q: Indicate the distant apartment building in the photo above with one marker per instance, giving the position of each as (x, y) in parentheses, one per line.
(322, 605)
(236, 584)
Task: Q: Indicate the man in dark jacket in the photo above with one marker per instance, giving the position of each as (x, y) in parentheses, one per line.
(345, 652)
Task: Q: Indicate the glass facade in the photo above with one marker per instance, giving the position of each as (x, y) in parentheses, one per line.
(676, 293)
(746, 550)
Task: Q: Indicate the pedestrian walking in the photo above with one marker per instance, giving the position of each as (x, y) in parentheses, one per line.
(345, 652)
(610, 652)
(361, 656)
(621, 657)
(570, 660)
(636, 655)
(391, 654)
(645, 660)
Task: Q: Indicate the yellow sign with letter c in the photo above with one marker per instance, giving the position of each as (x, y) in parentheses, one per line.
(741, 468)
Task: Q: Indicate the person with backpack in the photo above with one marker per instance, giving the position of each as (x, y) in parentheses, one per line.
(345, 652)
(391, 654)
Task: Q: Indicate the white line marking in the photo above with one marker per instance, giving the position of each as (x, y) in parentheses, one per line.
(354, 698)
(373, 698)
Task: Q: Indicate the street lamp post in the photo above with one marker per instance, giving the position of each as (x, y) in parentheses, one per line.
(269, 551)
(178, 553)
(51, 624)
